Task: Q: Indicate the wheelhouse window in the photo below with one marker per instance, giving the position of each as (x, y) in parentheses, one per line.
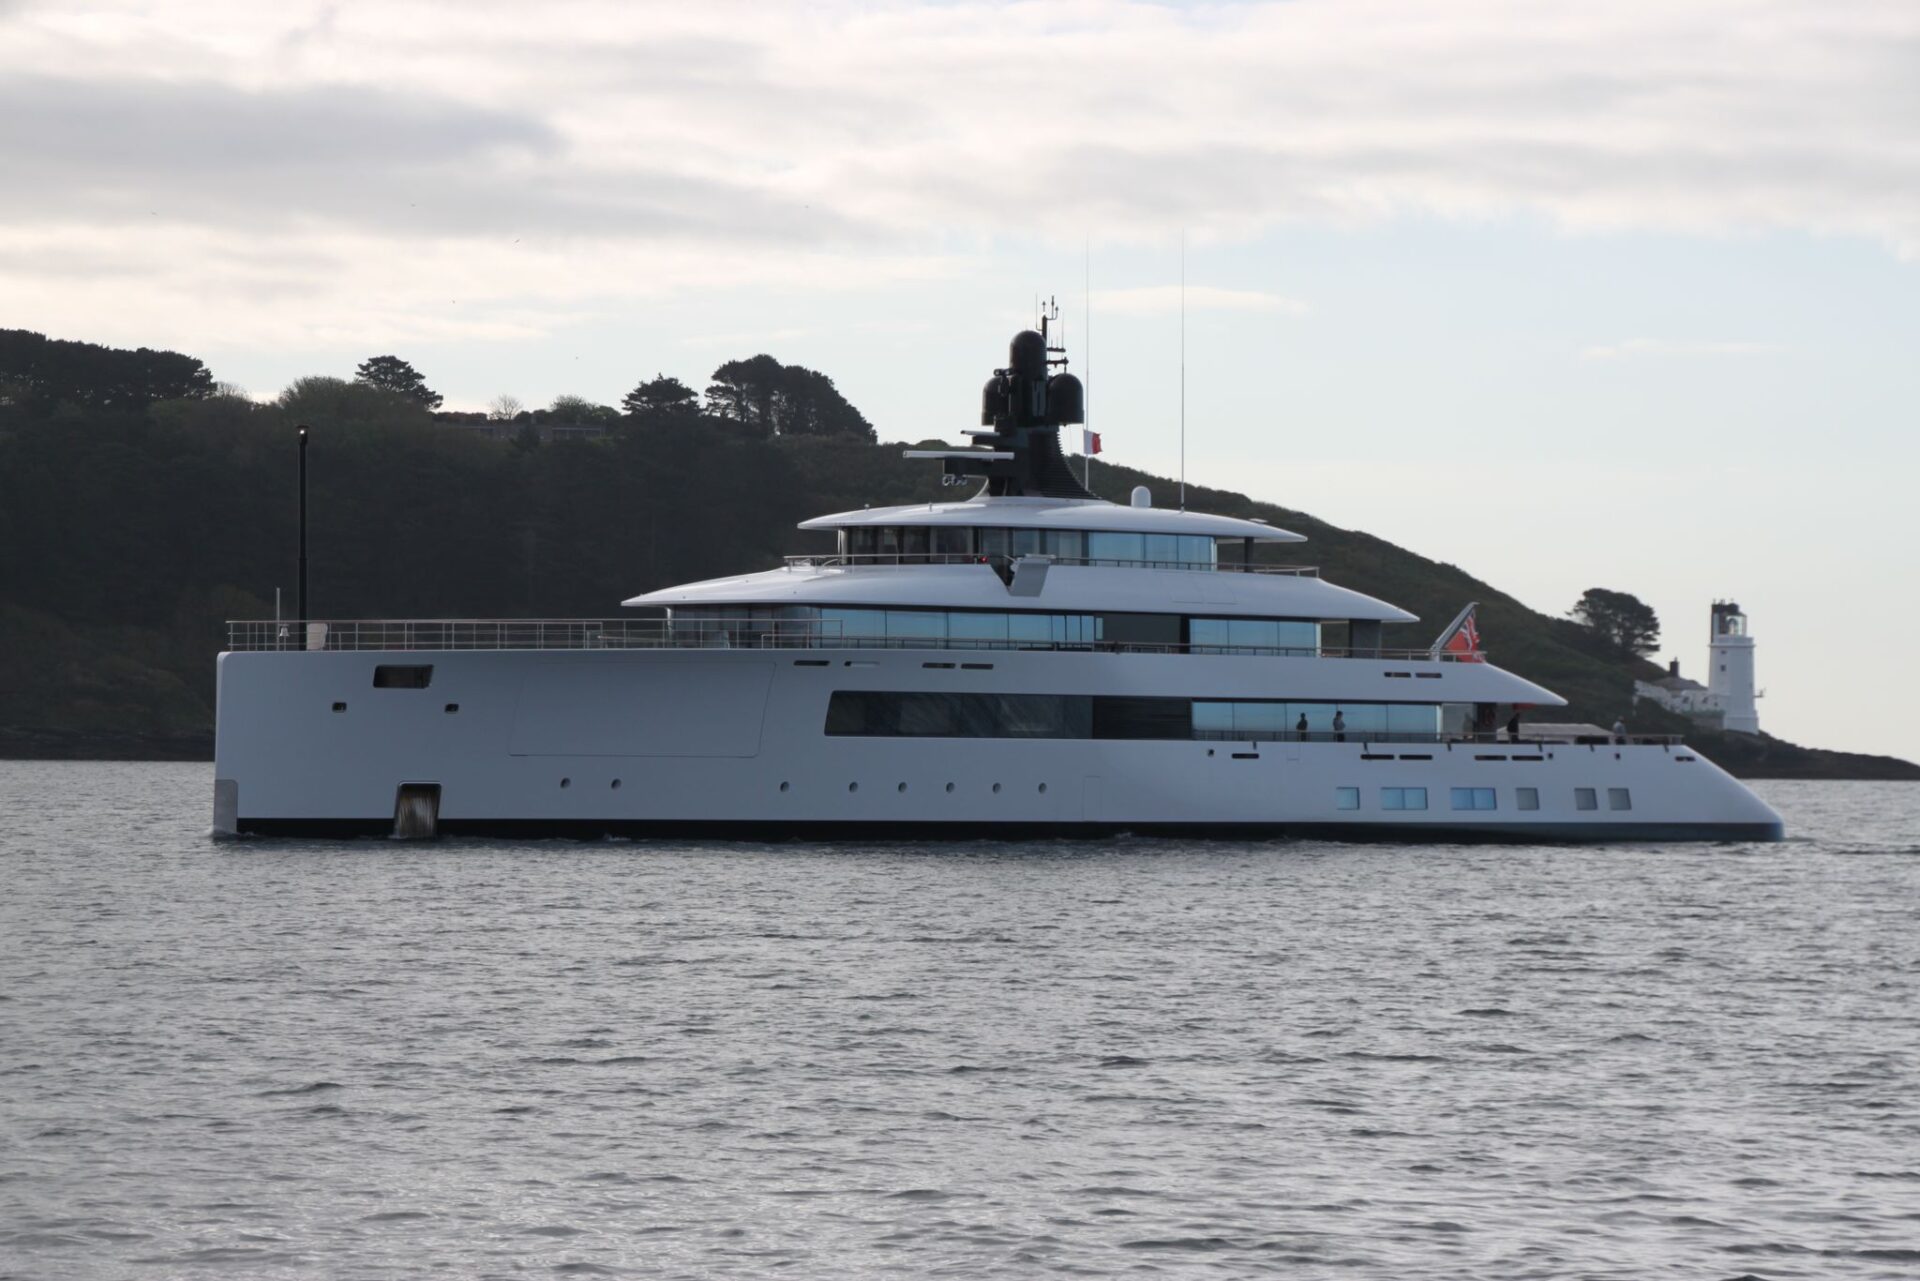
(911, 544)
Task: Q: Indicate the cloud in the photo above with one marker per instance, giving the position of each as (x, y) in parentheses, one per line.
(1161, 299)
(1636, 347)
(543, 161)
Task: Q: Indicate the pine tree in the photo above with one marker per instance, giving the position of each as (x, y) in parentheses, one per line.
(390, 373)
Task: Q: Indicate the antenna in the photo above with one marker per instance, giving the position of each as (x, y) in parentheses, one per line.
(1086, 363)
(303, 530)
(1183, 369)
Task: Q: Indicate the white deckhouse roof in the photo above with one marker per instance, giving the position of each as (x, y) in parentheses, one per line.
(1058, 513)
(1073, 589)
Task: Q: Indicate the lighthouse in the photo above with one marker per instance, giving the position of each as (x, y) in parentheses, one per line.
(1730, 669)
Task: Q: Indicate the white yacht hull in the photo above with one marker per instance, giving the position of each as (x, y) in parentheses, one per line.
(732, 743)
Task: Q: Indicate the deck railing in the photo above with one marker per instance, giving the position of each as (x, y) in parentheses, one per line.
(420, 634)
(1488, 745)
(862, 560)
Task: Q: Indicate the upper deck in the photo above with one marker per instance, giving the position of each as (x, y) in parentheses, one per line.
(406, 635)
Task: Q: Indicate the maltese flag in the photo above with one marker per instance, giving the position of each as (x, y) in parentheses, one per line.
(1089, 442)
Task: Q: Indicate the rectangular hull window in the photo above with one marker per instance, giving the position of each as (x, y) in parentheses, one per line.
(1526, 798)
(1403, 798)
(1473, 798)
(403, 676)
(1584, 798)
(1346, 798)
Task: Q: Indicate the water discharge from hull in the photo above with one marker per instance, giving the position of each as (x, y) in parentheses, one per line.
(416, 812)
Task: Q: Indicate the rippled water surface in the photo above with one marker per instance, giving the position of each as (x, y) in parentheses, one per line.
(269, 1059)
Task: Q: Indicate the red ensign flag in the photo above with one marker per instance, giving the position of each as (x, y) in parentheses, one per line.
(1089, 442)
(1465, 641)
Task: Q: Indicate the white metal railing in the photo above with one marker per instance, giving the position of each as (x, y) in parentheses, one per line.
(416, 634)
(860, 560)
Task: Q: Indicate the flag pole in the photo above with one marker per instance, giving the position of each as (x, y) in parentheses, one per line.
(1086, 362)
(1183, 369)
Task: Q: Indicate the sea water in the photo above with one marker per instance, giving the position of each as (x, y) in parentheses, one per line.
(476, 1058)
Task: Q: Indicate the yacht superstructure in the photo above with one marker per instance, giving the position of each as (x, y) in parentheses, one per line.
(1030, 659)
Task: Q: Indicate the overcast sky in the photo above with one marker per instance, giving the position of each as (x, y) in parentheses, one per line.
(1617, 295)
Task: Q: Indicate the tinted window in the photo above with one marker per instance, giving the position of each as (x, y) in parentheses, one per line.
(1584, 798)
(1116, 546)
(1142, 718)
(1068, 544)
(1346, 798)
(1473, 798)
(1526, 798)
(1619, 798)
(407, 676)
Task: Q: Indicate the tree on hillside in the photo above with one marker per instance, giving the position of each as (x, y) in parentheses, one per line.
(808, 404)
(1621, 619)
(390, 373)
(661, 395)
(578, 409)
(744, 391)
(329, 401)
(504, 408)
(784, 400)
(37, 371)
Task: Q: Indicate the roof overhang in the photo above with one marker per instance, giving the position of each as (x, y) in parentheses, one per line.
(1058, 513)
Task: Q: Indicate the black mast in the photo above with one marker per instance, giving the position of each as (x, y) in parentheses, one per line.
(302, 609)
(1024, 405)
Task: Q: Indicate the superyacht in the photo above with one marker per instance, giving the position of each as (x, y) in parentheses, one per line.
(1025, 660)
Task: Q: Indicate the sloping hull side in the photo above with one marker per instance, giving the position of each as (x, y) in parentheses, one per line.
(585, 744)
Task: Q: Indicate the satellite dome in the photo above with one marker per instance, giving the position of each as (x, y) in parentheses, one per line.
(1066, 400)
(1027, 355)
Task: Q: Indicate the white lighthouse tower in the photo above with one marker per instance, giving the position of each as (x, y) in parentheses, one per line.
(1730, 669)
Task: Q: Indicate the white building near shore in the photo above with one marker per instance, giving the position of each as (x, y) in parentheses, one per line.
(1728, 699)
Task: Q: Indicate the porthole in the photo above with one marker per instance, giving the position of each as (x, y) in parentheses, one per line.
(786, 787)
(901, 788)
(339, 707)
(616, 784)
(452, 708)
(853, 787)
(949, 787)
(1043, 789)
(566, 782)
(996, 789)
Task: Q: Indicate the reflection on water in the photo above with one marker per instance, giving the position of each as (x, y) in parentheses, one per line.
(272, 1059)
